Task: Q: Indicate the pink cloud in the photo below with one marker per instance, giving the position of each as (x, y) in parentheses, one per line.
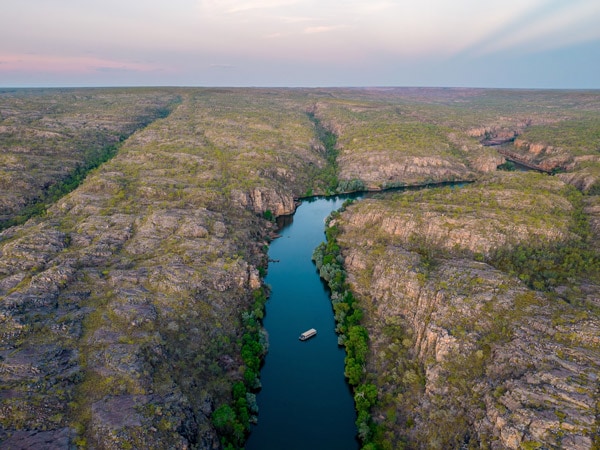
(68, 64)
(323, 29)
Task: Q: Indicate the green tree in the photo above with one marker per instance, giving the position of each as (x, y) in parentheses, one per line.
(223, 418)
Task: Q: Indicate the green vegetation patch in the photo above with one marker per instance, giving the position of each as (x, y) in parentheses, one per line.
(579, 137)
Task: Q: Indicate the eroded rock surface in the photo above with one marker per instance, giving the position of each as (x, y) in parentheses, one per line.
(121, 308)
(461, 344)
(47, 136)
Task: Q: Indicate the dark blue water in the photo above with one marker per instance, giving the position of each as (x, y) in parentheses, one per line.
(305, 401)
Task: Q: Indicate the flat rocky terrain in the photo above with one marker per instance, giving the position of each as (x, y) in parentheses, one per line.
(130, 300)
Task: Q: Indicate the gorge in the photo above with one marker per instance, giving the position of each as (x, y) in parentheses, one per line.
(305, 401)
(131, 304)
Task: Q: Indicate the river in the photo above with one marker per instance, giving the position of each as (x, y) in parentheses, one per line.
(305, 401)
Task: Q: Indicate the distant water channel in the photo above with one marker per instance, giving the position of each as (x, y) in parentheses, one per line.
(305, 401)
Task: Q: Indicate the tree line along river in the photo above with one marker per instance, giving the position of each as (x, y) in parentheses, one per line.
(305, 401)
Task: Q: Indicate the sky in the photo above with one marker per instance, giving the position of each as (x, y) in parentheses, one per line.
(301, 43)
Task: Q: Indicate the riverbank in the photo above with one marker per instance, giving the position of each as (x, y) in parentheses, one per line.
(485, 327)
(304, 401)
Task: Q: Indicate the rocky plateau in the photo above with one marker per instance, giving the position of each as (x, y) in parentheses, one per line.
(124, 293)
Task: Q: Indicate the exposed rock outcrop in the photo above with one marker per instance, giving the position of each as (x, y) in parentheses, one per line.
(582, 172)
(494, 136)
(120, 309)
(461, 344)
(487, 162)
(378, 170)
(266, 199)
(547, 157)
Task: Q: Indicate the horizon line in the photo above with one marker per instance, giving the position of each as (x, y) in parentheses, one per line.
(182, 86)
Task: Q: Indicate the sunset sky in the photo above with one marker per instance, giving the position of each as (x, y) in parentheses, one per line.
(473, 43)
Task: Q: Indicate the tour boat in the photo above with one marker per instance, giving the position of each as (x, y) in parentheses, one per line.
(308, 334)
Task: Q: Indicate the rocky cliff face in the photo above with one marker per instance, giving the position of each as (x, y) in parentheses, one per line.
(461, 344)
(262, 200)
(547, 157)
(379, 171)
(384, 149)
(582, 172)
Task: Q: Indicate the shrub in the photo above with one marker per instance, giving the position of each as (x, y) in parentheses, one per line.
(354, 337)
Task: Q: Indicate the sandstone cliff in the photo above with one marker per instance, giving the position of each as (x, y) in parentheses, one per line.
(384, 149)
(459, 343)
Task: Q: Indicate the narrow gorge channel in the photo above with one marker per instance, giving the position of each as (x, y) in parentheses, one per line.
(305, 401)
